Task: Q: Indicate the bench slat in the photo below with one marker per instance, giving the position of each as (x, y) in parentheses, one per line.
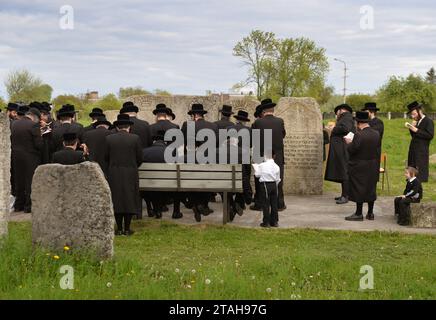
(189, 185)
(184, 175)
(189, 167)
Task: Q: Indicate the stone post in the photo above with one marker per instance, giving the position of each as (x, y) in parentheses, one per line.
(5, 167)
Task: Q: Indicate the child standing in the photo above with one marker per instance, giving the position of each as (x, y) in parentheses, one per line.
(268, 173)
(412, 193)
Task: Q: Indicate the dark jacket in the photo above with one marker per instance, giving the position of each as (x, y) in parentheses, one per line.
(95, 140)
(238, 127)
(124, 156)
(142, 129)
(68, 156)
(223, 123)
(277, 126)
(155, 153)
(419, 148)
(337, 161)
(364, 166)
(379, 126)
(414, 190)
(162, 125)
(200, 124)
(58, 133)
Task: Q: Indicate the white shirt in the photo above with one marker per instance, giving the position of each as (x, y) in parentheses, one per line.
(267, 171)
(419, 122)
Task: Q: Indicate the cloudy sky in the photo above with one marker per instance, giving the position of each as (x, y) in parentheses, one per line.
(185, 46)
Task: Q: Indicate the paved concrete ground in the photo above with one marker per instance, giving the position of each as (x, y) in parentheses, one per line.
(317, 212)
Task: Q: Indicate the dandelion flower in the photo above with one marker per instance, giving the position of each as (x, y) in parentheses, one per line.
(177, 270)
(109, 284)
(293, 284)
(56, 257)
(193, 271)
(268, 290)
(207, 281)
(66, 248)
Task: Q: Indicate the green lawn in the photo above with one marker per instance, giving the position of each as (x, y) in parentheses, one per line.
(168, 261)
(396, 142)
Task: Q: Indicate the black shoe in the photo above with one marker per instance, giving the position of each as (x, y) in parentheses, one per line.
(264, 225)
(27, 210)
(239, 209)
(255, 208)
(197, 213)
(128, 232)
(354, 217)
(158, 215)
(370, 216)
(275, 225)
(118, 233)
(177, 215)
(342, 200)
(281, 209)
(338, 198)
(151, 214)
(232, 214)
(205, 211)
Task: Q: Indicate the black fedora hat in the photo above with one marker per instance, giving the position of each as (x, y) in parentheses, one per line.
(257, 112)
(266, 104)
(123, 119)
(67, 110)
(69, 136)
(414, 106)
(22, 110)
(101, 120)
(96, 112)
(36, 105)
(161, 108)
(226, 110)
(129, 106)
(12, 106)
(370, 106)
(362, 116)
(242, 116)
(159, 135)
(172, 114)
(46, 107)
(344, 106)
(197, 108)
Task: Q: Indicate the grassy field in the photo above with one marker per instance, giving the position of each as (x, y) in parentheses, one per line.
(396, 142)
(168, 261)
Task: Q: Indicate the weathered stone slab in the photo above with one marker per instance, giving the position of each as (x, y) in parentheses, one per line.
(5, 166)
(72, 205)
(303, 173)
(423, 215)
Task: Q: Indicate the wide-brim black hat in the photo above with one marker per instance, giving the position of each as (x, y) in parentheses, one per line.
(227, 110)
(101, 120)
(129, 107)
(123, 119)
(266, 104)
(96, 112)
(172, 114)
(12, 106)
(413, 106)
(22, 110)
(162, 108)
(197, 108)
(344, 106)
(46, 107)
(67, 110)
(242, 116)
(362, 116)
(370, 106)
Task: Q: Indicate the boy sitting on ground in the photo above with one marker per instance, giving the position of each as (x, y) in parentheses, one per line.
(412, 194)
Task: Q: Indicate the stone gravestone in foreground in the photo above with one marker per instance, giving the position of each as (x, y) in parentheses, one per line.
(5, 165)
(72, 206)
(303, 173)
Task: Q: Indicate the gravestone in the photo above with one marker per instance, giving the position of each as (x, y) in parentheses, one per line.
(423, 215)
(72, 206)
(303, 170)
(5, 165)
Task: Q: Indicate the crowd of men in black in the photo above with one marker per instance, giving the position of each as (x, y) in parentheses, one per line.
(121, 147)
(354, 161)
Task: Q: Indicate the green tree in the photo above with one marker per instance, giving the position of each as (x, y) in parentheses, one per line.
(161, 92)
(399, 91)
(358, 100)
(126, 92)
(23, 86)
(255, 50)
(431, 76)
(108, 102)
(2, 103)
(60, 100)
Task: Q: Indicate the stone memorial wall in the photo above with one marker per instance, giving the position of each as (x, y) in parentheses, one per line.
(5, 165)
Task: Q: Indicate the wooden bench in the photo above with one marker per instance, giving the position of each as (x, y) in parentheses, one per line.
(166, 177)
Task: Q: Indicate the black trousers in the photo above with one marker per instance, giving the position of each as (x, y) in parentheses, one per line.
(269, 196)
(25, 165)
(281, 199)
(257, 195)
(345, 188)
(402, 209)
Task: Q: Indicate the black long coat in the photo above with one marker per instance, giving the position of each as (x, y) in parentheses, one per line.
(142, 129)
(199, 125)
(68, 156)
(337, 161)
(124, 156)
(379, 126)
(155, 153)
(223, 123)
(419, 148)
(58, 134)
(96, 142)
(162, 125)
(363, 165)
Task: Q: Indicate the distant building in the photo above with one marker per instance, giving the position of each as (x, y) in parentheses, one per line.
(92, 96)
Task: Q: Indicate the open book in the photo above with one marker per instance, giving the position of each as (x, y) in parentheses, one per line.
(350, 135)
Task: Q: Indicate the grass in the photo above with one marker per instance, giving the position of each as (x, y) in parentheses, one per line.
(396, 142)
(158, 262)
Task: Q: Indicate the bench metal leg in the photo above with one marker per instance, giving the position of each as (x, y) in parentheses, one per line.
(225, 209)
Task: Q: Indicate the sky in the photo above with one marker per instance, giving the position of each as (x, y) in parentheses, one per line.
(185, 47)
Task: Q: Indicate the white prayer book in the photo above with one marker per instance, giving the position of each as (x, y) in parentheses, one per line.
(350, 135)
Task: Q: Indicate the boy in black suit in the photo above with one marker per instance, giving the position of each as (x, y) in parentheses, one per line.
(412, 194)
(69, 155)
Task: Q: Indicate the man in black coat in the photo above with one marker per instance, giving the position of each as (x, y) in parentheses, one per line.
(162, 123)
(277, 125)
(11, 111)
(257, 205)
(66, 124)
(422, 132)
(95, 114)
(124, 156)
(69, 155)
(363, 167)
(225, 121)
(95, 141)
(376, 124)
(337, 161)
(140, 127)
(26, 143)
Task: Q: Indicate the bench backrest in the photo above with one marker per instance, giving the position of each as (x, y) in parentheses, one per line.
(190, 177)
